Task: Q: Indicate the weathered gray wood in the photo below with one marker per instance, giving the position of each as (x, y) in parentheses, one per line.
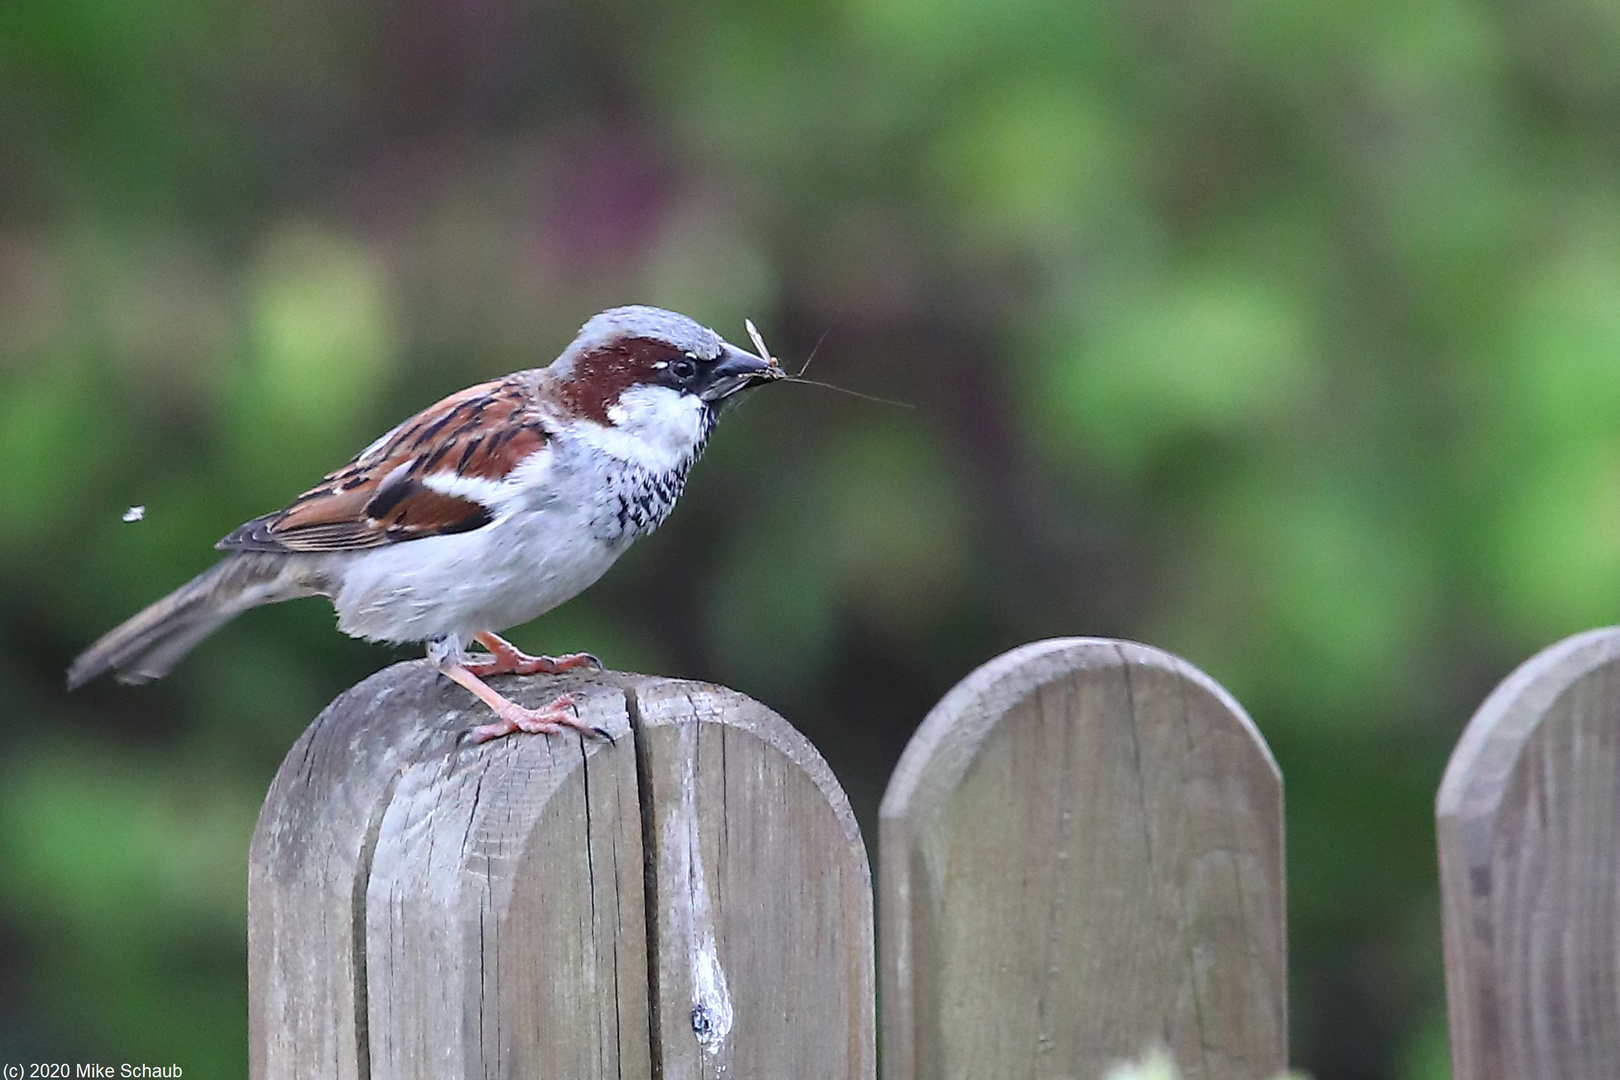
(312, 843)
(1081, 857)
(762, 891)
(425, 908)
(504, 919)
(1529, 834)
(479, 906)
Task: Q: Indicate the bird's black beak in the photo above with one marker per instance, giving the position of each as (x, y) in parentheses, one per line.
(737, 370)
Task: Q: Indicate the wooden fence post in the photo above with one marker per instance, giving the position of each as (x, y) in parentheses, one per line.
(758, 855)
(1528, 820)
(1081, 857)
(419, 907)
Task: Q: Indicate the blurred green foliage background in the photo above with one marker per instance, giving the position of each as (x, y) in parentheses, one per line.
(1284, 336)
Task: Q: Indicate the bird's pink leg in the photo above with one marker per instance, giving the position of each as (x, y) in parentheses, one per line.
(548, 719)
(508, 659)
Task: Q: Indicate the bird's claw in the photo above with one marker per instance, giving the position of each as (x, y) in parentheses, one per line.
(520, 663)
(560, 713)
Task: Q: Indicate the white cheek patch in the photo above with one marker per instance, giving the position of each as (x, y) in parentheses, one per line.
(656, 426)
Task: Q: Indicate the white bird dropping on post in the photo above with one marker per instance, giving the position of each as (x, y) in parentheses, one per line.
(135, 513)
(711, 1000)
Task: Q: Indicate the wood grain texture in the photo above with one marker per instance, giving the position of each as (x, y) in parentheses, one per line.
(419, 907)
(1528, 821)
(424, 908)
(310, 847)
(504, 923)
(1081, 857)
(765, 963)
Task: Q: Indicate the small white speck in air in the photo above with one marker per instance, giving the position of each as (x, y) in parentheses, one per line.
(135, 513)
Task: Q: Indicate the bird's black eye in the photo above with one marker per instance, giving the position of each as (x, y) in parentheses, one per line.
(683, 369)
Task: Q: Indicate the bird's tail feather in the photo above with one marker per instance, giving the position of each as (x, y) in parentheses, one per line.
(147, 645)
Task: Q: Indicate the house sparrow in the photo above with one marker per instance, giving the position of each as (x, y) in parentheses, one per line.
(478, 513)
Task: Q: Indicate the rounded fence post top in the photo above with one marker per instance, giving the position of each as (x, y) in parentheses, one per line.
(691, 896)
(1476, 776)
(1092, 829)
(967, 713)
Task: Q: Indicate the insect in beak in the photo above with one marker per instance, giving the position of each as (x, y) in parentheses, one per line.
(737, 370)
(775, 370)
(765, 353)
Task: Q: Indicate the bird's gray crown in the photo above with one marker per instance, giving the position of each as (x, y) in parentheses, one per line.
(639, 321)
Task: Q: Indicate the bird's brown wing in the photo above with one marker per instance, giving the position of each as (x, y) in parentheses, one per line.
(386, 495)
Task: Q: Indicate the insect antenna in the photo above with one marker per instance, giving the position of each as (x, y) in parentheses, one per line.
(765, 354)
(813, 351)
(851, 393)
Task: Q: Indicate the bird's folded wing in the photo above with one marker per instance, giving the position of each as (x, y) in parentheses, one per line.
(433, 475)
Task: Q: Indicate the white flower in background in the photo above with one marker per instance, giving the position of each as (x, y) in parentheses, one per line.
(1157, 1065)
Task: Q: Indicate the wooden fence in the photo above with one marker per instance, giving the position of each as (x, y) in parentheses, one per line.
(1081, 855)
(1529, 826)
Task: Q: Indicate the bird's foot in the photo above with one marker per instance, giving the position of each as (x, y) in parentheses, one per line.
(548, 719)
(561, 712)
(507, 659)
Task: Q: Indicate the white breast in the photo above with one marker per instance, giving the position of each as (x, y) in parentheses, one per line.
(510, 571)
(561, 520)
